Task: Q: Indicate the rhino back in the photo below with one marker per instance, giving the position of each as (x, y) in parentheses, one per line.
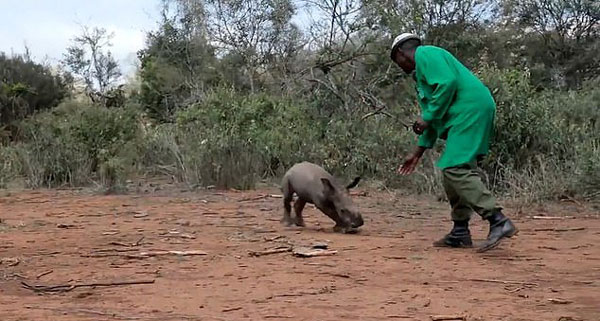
(305, 179)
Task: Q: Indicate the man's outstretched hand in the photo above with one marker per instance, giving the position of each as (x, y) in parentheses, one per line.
(409, 166)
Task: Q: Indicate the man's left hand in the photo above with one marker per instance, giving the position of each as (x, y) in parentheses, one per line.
(420, 126)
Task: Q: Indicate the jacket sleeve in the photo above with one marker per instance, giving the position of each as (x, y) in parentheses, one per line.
(437, 74)
(428, 138)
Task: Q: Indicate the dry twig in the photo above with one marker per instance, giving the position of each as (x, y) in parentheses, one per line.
(70, 287)
(448, 318)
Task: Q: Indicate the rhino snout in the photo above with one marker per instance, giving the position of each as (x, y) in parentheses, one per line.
(357, 222)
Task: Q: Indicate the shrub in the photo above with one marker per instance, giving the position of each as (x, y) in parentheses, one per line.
(70, 144)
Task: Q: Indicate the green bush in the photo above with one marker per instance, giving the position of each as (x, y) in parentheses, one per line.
(72, 143)
(10, 166)
(27, 87)
(230, 140)
(589, 170)
(541, 138)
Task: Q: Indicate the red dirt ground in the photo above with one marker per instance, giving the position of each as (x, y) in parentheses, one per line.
(388, 271)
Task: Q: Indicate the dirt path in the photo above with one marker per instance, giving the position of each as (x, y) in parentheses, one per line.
(388, 271)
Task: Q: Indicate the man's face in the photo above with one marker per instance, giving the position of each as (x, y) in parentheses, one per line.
(403, 61)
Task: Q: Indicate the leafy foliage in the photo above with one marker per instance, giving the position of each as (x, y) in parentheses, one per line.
(70, 144)
(234, 92)
(27, 87)
(94, 65)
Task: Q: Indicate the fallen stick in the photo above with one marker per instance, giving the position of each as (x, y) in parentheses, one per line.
(231, 309)
(316, 253)
(182, 253)
(515, 290)
(271, 239)
(312, 252)
(120, 244)
(504, 282)
(70, 287)
(10, 261)
(448, 318)
(85, 311)
(560, 301)
(323, 290)
(339, 275)
(138, 242)
(144, 255)
(43, 273)
(568, 229)
(264, 231)
(179, 235)
(393, 316)
(269, 252)
(113, 250)
(395, 257)
(548, 248)
(255, 198)
(551, 217)
(321, 264)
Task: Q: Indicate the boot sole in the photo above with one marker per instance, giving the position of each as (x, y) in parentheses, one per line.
(462, 246)
(494, 245)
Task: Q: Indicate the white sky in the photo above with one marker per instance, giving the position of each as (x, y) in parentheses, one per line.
(47, 26)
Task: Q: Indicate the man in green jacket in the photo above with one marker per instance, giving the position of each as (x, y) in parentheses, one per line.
(455, 106)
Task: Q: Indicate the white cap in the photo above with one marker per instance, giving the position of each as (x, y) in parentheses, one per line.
(402, 38)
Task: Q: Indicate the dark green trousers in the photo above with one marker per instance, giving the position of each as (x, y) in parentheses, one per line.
(467, 193)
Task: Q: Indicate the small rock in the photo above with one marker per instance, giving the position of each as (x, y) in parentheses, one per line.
(140, 215)
(320, 245)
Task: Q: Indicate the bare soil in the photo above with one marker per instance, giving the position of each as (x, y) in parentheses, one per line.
(550, 271)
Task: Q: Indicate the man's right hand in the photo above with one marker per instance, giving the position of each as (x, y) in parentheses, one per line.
(409, 166)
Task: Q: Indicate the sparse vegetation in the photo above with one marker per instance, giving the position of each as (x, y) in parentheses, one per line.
(210, 112)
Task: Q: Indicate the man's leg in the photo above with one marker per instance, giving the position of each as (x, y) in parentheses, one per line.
(467, 183)
(459, 236)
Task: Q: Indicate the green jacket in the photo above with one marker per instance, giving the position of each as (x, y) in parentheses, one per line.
(456, 104)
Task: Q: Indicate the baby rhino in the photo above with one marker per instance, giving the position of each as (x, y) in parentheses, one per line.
(312, 184)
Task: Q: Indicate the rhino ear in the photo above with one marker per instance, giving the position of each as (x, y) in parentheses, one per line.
(327, 186)
(354, 183)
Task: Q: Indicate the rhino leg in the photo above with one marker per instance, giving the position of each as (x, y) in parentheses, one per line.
(298, 208)
(332, 213)
(287, 207)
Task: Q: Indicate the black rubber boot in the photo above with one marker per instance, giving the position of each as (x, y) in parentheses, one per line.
(460, 236)
(500, 227)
